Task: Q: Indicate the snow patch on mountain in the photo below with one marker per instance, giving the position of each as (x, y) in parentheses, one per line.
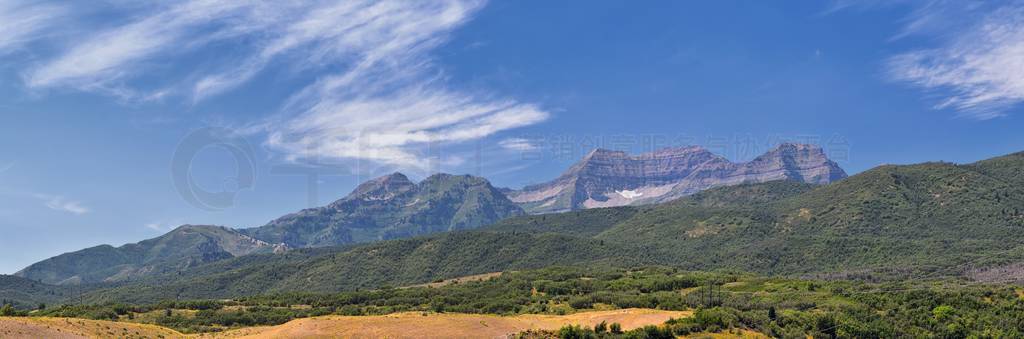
(629, 194)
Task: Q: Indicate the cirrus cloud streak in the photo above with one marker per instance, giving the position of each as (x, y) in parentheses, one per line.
(367, 86)
(978, 67)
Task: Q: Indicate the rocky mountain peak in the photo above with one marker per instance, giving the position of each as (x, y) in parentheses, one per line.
(605, 178)
(392, 206)
(802, 162)
(383, 188)
(667, 152)
(445, 179)
(603, 153)
(675, 151)
(609, 162)
(794, 149)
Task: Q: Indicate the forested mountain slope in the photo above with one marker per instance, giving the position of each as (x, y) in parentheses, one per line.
(915, 221)
(179, 249)
(24, 293)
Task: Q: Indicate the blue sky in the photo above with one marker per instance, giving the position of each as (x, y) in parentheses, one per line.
(96, 98)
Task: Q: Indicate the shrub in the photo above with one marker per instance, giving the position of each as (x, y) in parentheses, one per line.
(615, 328)
(575, 332)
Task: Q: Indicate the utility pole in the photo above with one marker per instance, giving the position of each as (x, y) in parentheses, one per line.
(704, 296)
(709, 297)
(711, 294)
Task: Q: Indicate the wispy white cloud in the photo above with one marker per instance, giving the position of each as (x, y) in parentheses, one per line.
(389, 102)
(59, 203)
(518, 144)
(376, 96)
(977, 67)
(389, 128)
(163, 225)
(106, 60)
(22, 21)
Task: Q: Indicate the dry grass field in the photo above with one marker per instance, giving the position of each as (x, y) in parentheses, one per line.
(447, 325)
(43, 327)
(400, 325)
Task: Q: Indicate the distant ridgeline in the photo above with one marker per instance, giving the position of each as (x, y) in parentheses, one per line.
(922, 221)
(393, 207)
(384, 208)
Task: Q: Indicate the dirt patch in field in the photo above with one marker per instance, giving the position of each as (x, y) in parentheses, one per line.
(44, 327)
(468, 278)
(446, 325)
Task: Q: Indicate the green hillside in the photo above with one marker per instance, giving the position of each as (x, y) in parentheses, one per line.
(577, 223)
(184, 247)
(925, 221)
(24, 293)
(395, 263)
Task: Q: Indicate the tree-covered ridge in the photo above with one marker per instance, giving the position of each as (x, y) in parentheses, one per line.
(23, 293)
(395, 263)
(927, 219)
(184, 247)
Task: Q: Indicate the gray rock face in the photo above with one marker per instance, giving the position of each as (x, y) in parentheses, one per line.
(613, 178)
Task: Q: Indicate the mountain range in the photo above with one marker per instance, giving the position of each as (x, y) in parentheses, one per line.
(388, 207)
(392, 206)
(607, 178)
(891, 222)
(924, 221)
